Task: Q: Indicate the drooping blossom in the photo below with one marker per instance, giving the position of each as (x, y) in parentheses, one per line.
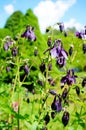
(29, 33)
(7, 44)
(57, 104)
(70, 78)
(59, 53)
(80, 35)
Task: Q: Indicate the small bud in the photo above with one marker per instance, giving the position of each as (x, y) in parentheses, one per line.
(14, 51)
(52, 92)
(26, 70)
(53, 114)
(7, 69)
(64, 94)
(47, 119)
(77, 90)
(35, 52)
(49, 42)
(42, 67)
(84, 82)
(50, 67)
(65, 118)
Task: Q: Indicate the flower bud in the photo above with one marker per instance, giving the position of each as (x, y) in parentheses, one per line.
(77, 90)
(65, 118)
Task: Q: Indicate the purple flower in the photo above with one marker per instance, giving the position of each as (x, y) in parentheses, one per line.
(29, 34)
(80, 35)
(57, 104)
(70, 78)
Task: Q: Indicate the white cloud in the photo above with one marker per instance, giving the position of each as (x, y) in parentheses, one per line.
(49, 12)
(9, 8)
(73, 23)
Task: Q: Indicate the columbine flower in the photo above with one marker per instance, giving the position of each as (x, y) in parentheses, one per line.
(57, 104)
(70, 78)
(80, 35)
(59, 53)
(29, 34)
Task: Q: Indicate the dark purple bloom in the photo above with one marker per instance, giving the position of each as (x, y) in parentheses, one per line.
(29, 34)
(84, 48)
(80, 35)
(64, 94)
(26, 69)
(47, 119)
(77, 90)
(57, 104)
(70, 78)
(61, 27)
(59, 53)
(84, 82)
(42, 67)
(53, 114)
(70, 50)
(14, 51)
(61, 61)
(65, 118)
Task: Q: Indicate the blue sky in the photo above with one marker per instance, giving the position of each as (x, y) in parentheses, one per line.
(71, 12)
